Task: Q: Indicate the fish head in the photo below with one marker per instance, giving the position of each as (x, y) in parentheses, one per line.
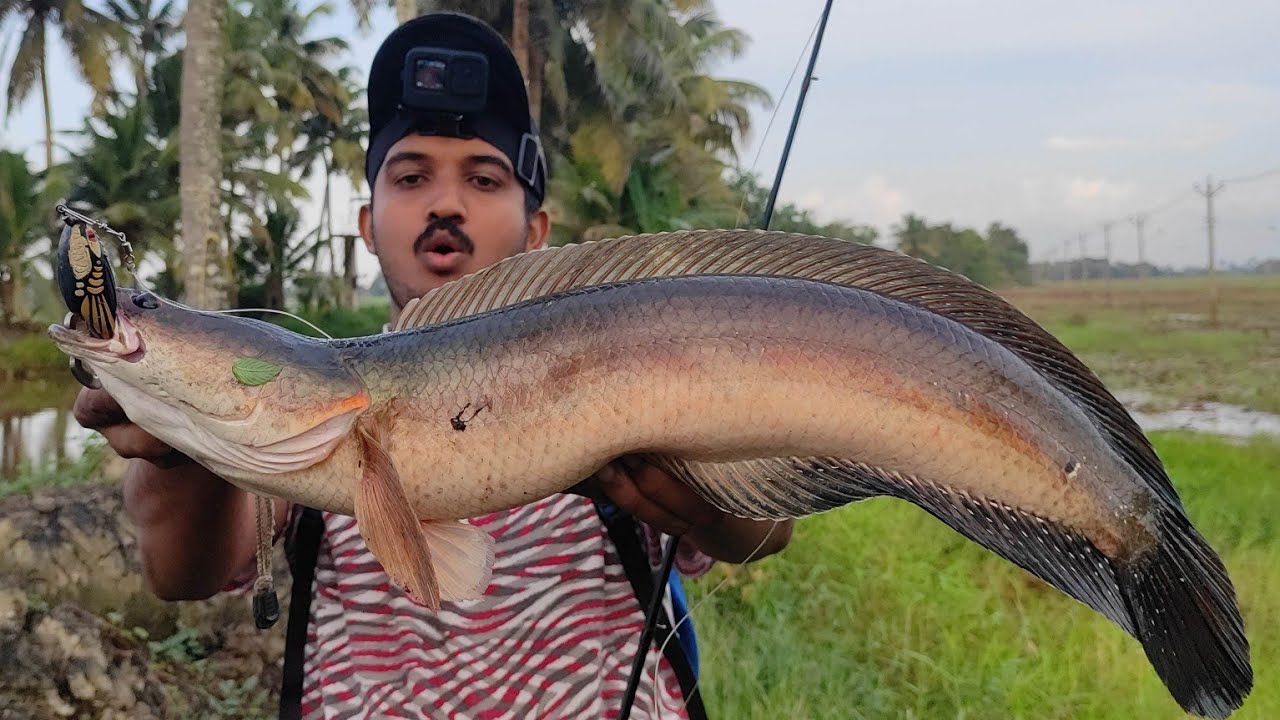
(202, 381)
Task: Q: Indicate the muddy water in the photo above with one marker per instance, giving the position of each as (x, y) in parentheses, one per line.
(36, 426)
(1208, 417)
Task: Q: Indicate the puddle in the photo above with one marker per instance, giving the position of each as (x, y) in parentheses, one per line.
(1207, 417)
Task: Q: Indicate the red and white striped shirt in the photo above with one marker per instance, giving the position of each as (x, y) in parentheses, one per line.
(553, 636)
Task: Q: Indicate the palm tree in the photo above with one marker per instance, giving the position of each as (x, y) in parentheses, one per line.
(149, 30)
(26, 204)
(128, 176)
(200, 150)
(84, 31)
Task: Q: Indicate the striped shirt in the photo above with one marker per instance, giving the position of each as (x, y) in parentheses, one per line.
(553, 636)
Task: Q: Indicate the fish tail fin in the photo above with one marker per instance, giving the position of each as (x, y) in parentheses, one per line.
(1175, 598)
(1184, 612)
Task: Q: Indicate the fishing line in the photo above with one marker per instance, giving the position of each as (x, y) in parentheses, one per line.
(131, 266)
(688, 615)
(737, 220)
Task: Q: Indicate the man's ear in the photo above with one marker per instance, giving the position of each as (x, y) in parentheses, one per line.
(539, 228)
(366, 227)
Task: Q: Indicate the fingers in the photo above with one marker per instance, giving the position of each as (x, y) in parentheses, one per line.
(671, 494)
(624, 493)
(130, 441)
(656, 498)
(96, 410)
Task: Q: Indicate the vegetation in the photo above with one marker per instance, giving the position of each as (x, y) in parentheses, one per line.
(1155, 335)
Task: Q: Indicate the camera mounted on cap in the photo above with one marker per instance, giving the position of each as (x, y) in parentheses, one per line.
(444, 80)
(446, 92)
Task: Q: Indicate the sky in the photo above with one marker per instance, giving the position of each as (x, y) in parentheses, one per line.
(1053, 118)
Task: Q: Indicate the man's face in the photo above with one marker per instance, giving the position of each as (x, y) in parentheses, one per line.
(442, 208)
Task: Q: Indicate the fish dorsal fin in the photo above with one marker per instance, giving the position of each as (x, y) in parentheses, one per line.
(754, 252)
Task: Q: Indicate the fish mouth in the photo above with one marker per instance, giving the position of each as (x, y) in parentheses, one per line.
(127, 344)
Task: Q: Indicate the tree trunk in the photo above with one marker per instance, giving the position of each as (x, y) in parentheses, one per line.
(406, 10)
(349, 271)
(48, 111)
(140, 79)
(520, 34)
(537, 66)
(201, 152)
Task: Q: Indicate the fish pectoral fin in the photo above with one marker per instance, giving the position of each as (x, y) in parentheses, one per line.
(430, 560)
(463, 557)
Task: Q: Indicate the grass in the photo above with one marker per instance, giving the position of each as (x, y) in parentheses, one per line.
(1156, 335)
(879, 611)
(367, 320)
(28, 355)
(73, 471)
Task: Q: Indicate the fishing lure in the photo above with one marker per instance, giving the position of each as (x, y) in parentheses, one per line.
(85, 279)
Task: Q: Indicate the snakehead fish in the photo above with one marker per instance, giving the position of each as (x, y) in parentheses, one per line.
(779, 375)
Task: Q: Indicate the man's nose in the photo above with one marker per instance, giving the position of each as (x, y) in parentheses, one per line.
(447, 202)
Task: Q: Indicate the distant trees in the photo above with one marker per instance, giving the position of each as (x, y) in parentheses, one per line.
(998, 258)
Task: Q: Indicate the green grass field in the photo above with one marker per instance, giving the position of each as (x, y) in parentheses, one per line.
(879, 611)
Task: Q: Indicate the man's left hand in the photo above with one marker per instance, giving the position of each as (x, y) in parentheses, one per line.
(655, 498)
(652, 496)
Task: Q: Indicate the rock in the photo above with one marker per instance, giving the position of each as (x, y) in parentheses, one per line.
(80, 636)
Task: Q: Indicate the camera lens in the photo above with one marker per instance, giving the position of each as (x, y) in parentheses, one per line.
(430, 74)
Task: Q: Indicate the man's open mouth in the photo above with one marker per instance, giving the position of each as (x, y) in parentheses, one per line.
(443, 243)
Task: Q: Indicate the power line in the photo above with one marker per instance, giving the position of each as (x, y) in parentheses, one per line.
(1251, 178)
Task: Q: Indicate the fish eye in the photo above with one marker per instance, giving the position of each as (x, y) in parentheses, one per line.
(146, 301)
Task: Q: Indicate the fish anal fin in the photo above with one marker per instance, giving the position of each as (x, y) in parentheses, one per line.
(773, 488)
(387, 523)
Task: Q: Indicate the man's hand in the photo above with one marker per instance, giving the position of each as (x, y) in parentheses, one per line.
(655, 498)
(666, 504)
(96, 410)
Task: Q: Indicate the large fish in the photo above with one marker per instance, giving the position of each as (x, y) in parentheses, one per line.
(779, 375)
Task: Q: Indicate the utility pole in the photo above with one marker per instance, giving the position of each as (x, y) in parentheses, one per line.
(1138, 221)
(1106, 249)
(1084, 273)
(1208, 191)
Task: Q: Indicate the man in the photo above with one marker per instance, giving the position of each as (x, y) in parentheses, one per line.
(555, 634)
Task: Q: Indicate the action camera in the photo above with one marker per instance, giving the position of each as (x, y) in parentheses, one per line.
(443, 80)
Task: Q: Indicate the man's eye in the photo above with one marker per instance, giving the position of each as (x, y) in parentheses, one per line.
(485, 182)
(409, 180)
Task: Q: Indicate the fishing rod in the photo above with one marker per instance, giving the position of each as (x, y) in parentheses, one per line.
(795, 118)
(663, 575)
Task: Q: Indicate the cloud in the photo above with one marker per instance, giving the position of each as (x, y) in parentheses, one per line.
(886, 205)
(1085, 143)
(812, 200)
(1089, 190)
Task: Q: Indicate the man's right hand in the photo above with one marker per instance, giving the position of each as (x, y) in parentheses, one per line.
(97, 410)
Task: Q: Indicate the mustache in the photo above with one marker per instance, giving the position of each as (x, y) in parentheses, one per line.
(449, 225)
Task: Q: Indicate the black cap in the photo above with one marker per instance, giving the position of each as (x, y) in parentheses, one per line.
(504, 122)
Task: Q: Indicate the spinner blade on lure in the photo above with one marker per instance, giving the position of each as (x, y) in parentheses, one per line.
(85, 278)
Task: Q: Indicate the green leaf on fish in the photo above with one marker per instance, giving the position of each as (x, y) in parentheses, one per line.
(252, 371)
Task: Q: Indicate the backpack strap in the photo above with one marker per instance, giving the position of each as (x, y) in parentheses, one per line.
(306, 550)
(625, 535)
